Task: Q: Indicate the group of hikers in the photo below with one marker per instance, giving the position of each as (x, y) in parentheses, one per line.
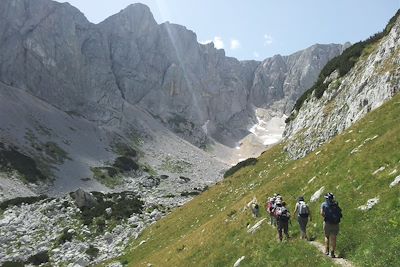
(280, 217)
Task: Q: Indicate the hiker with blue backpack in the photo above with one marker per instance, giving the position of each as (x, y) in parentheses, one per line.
(303, 215)
(332, 213)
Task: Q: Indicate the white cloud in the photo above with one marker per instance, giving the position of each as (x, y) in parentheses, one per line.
(256, 54)
(218, 42)
(235, 44)
(205, 42)
(268, 39)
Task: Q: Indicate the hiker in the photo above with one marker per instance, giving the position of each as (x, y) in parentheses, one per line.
(303, 214)
(270, 208)
(332, 213)
(254, 207)
(282, 216)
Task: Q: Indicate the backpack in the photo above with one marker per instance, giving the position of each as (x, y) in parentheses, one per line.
(282, 214)
(303, 209)
(333, 213)
(270, 207)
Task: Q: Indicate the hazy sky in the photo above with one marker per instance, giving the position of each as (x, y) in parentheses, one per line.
(256, 29)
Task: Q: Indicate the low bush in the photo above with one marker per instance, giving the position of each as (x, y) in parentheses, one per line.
(14, 160)
(240, 165)
(40, 258)
(65, 236)
(92, 251)
(20, 200)
(123, 205)
(125, 164)
(13, 264)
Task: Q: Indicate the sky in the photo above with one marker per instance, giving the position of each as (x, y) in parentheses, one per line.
(257, 29)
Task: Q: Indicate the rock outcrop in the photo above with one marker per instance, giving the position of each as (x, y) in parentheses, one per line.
(51, 50)
(78, 90)
(373, 80)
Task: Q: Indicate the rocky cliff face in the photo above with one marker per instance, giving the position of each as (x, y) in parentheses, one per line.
(373, 80)
(280, 80)
(78, 90)
(52, 51)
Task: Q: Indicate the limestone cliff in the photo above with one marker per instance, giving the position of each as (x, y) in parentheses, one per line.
(344, 99)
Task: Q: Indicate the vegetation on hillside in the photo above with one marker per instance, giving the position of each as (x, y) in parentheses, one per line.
(343, 64)
(211, 230)
(11, 159)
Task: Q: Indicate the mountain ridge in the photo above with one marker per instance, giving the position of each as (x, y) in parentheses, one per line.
(124, 73)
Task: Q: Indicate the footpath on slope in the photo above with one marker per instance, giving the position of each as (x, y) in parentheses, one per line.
(339, 261)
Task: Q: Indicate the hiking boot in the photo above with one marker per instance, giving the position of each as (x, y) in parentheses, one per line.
(333, 254)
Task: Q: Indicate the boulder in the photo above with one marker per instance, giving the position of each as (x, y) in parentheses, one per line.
(151, 181)
(108, 211)
(370, 203)
(396, 181)
(237, 263)
(317, 194)
(83, 199)
(255, 227)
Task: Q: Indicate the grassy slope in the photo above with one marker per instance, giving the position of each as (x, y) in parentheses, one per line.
(211, 229)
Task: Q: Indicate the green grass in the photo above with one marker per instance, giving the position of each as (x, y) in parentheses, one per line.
(211, 230)
(109, 176)
(175, 166)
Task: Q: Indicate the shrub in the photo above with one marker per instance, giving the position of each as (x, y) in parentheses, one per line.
(125, 164)
(20, 200)
(92, 251)
(13, 160)
(13, 264)
(65, 236)
(193, 193)
(242, 164)
(40, 258)
(123, 205)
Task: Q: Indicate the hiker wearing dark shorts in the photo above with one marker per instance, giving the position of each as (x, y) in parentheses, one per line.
(282, 216)
(303, 214)
(332, 214)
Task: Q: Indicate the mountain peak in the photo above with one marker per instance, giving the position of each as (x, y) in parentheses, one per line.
(135, 15)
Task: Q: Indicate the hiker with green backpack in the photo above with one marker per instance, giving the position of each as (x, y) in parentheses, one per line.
(332, 213)
(303, 214)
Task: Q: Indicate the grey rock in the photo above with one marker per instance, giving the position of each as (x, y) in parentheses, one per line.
(395, 182)
(348, 99)
(108, 211)
(156, 215)
(151, 181)
(317, 194)
(83, 199)
(370, 204)
(82, 261)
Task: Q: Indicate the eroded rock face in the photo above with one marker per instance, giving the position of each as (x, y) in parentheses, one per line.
(372, 81)
(95, 70)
